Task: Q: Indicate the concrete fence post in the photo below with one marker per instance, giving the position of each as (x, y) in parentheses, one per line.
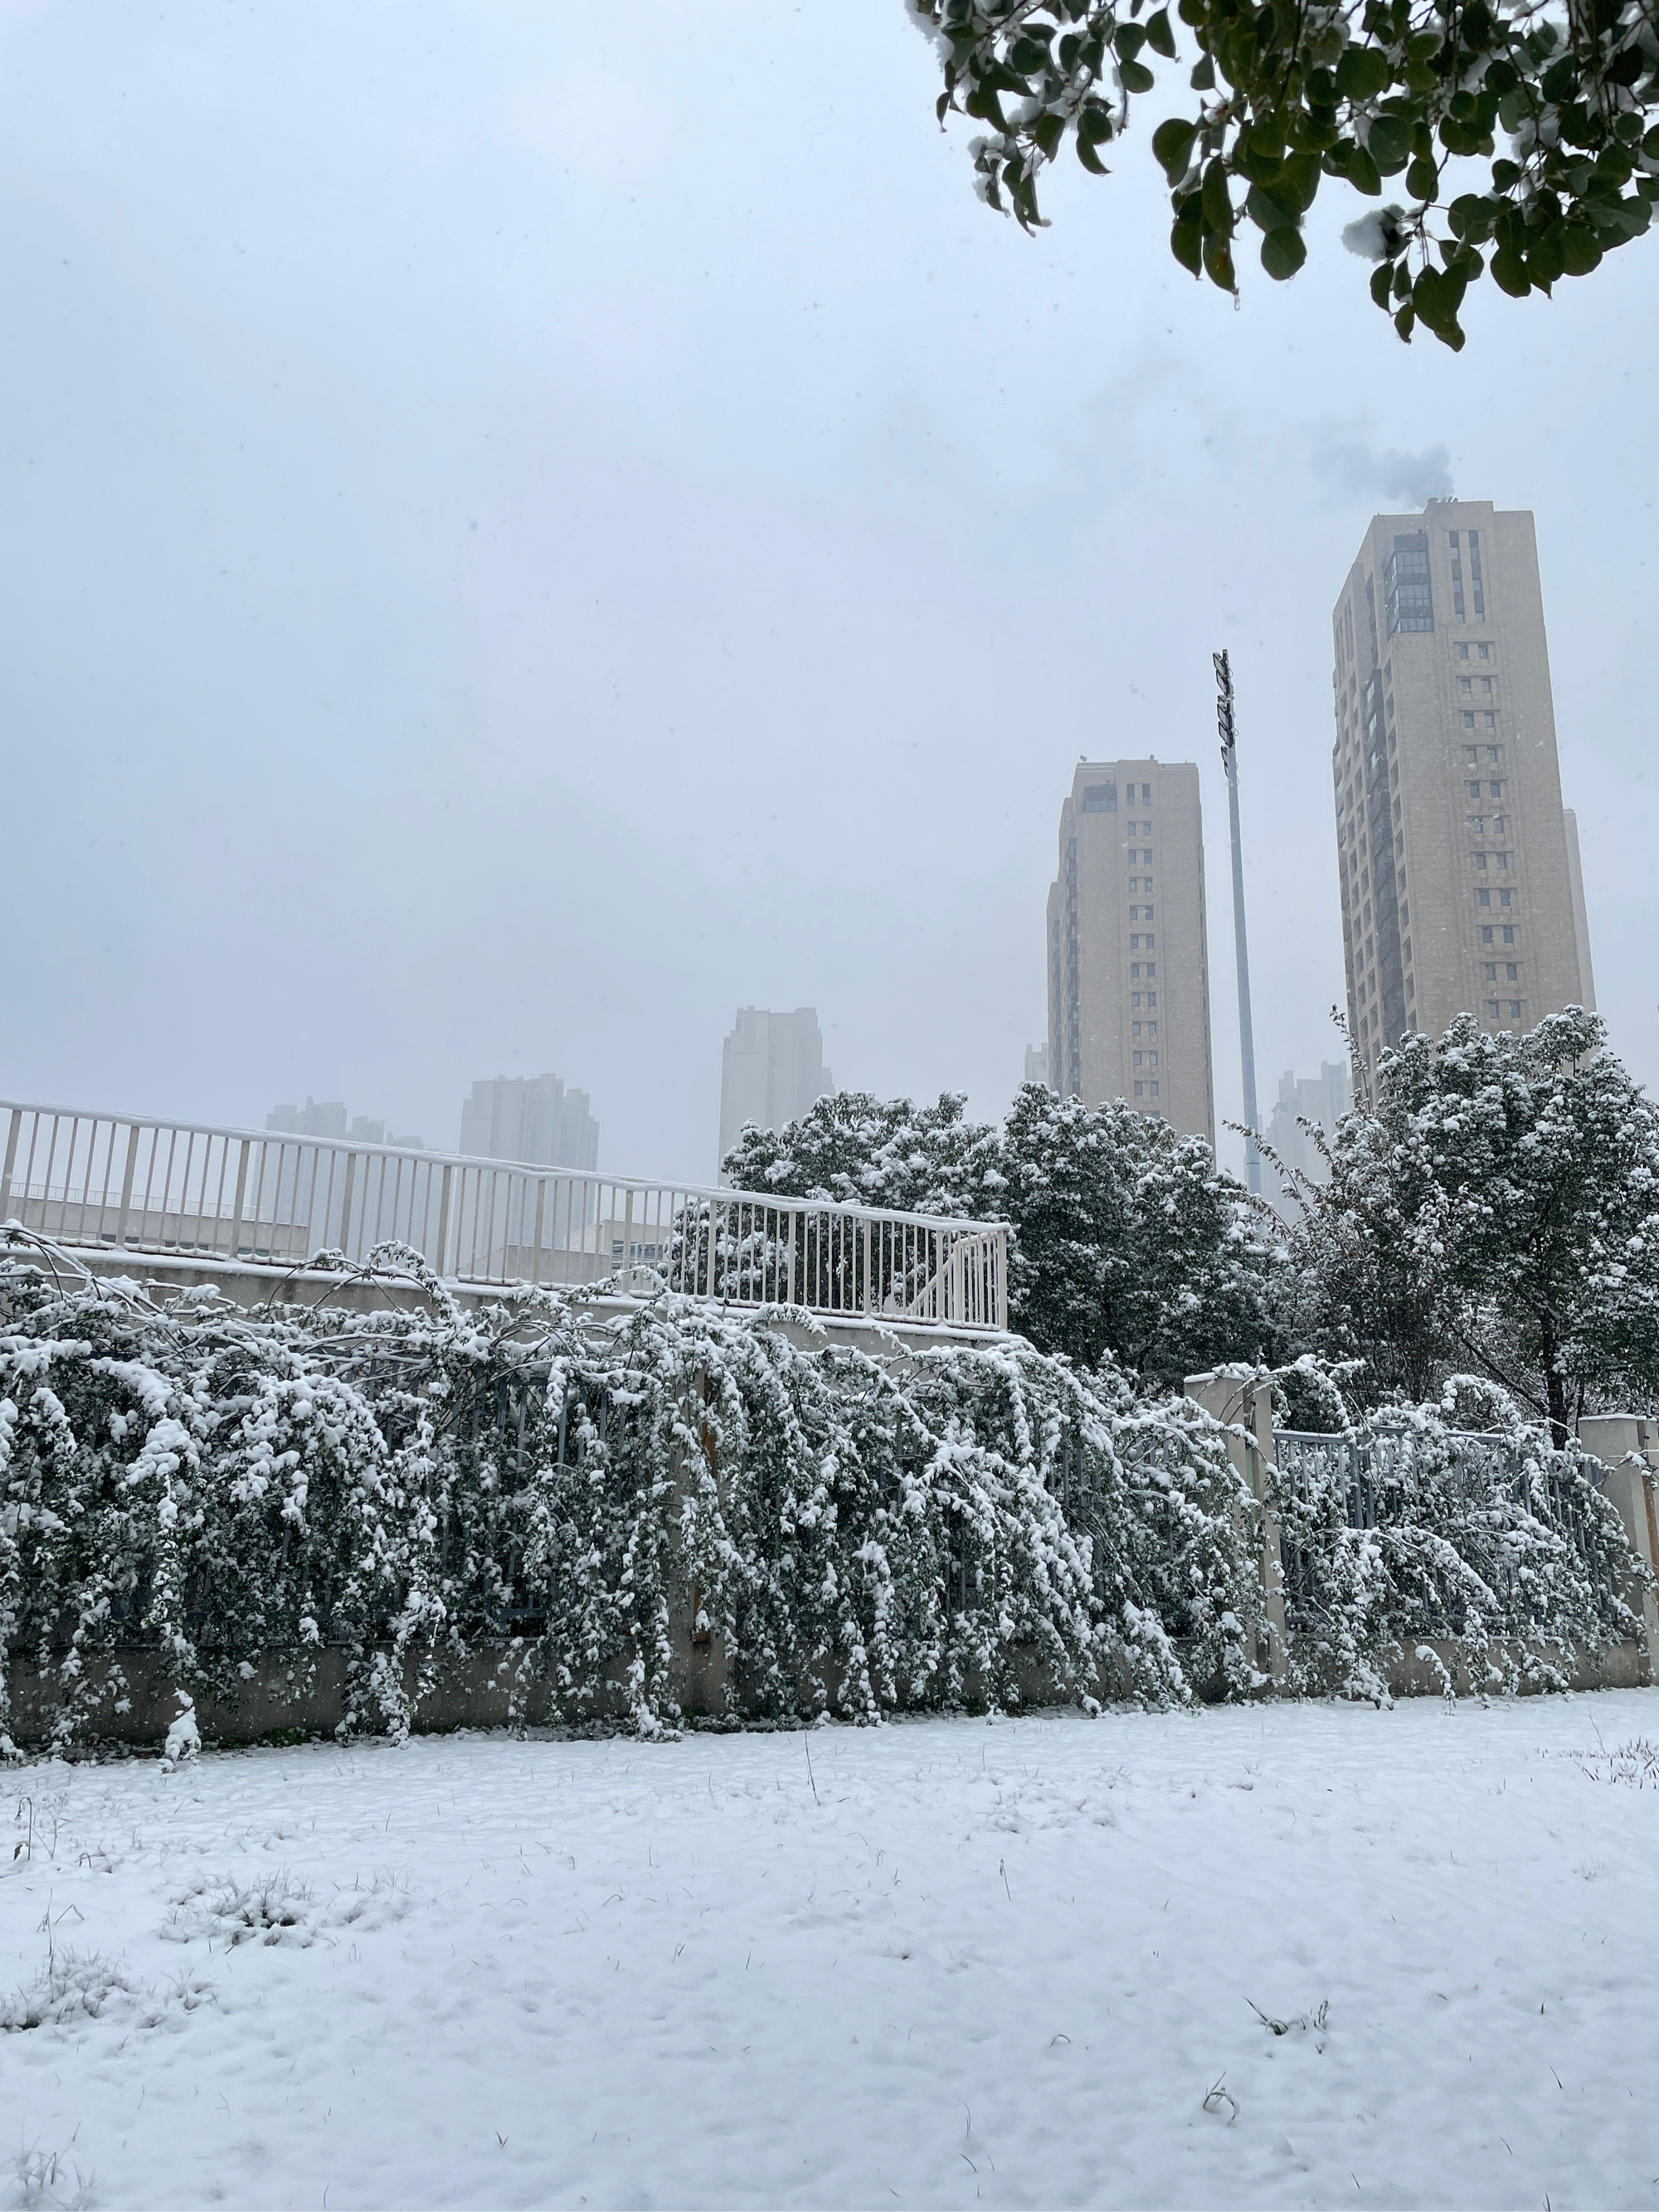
(1239, 1400)
(1628, 1448)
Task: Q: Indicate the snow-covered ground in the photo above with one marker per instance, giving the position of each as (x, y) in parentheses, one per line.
(947, 1962)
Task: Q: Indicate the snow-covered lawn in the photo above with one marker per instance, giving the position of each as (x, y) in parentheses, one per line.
(951, 1962)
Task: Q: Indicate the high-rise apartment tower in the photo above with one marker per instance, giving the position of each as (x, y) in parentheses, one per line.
(1457, 861)
(772, 1071)
(531, 1118)
(1129, 972)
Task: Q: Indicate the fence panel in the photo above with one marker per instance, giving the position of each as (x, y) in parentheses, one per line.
(167, 1188)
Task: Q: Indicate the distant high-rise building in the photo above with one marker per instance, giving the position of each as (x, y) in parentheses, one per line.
(1128, 965)
(327, 1118)
(1322, 1101)
(531, 1118)
(1036, 1063)
(1460, 882)
(772, 1071)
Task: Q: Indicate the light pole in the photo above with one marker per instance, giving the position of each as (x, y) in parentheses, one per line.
(1224, 721)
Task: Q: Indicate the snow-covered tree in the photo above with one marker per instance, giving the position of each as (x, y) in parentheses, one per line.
(1500, 1214)
(1128, 1239)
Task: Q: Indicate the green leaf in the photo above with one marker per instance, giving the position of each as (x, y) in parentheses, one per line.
(1172, 146)
(1268, 212)
(1091, 158)
(1362, 73)
(1218, 263)
(1422, 179)
(1509, 273)
(1581, 252)
(1128, 40)
(1389, 144)
(1136, 77)
(1283, 252)
(1546, 256)
(1216, 206)
(1382, 284)
(1363, 173)
(1159, 36)
(1471, 217)
(1203, 77)
(1187, 243)
(1048, 130)
(1404, 320)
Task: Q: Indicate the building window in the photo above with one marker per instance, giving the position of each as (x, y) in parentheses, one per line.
(1151, 969)
(1503, 863)
(1462, 653)
(1492, 1016)
(1485, 933)
(1491, 971)
(1485, 685)
(1138, 1056)
(1151, 939)
(1468, 721)
(1457, 582)
(1151, 998)
(1484, 897)
(1488, 720)
(1485, 652)
(1499, 826)
(1134, 970)
(1410, 989)
(1100, 798)
(1491, 752)
(1151, 1060)
(1151, 1029)
(1140, 1088)
(1465, 683)
(1514, 1016)
(1512, 972)
(1135, 1030)
(1134, 998)
(1509, 933)
(1134, 946)
(1474, 789)
(1475, 579)
(1503, 898)
(1409, 601)
(1496, 790)
(1155, 1086)
(1481, 861)
(1149, 910)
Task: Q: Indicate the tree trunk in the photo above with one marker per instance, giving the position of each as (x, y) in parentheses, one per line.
(1555, 1383)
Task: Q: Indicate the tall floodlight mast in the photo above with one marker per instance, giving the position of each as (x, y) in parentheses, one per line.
(1225, 724)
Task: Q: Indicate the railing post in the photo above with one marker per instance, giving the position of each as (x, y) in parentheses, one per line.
(443, 1223)
(627, 1243)
(236, 1210)
(345, 1205)
(132, 1169)
(536, 1233)
(12, 1161)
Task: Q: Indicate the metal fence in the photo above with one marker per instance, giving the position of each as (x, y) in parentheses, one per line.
(125, 1183)
(1370, 1474)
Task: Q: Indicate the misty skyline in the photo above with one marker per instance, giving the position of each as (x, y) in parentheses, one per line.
(517, 547)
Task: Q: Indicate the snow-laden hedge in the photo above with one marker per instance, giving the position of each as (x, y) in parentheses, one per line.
(1456, 1521)
(416, 1483)
(421, 1482)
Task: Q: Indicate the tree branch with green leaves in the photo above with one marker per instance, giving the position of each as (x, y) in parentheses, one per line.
(1523, 131)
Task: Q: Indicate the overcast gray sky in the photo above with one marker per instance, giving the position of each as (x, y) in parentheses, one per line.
(525, 527)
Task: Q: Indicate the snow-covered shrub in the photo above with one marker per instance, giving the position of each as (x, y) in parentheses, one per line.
(412, 1485)
(1410, 1525)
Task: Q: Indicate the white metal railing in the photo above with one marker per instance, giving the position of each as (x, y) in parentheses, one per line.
(125, 1183)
